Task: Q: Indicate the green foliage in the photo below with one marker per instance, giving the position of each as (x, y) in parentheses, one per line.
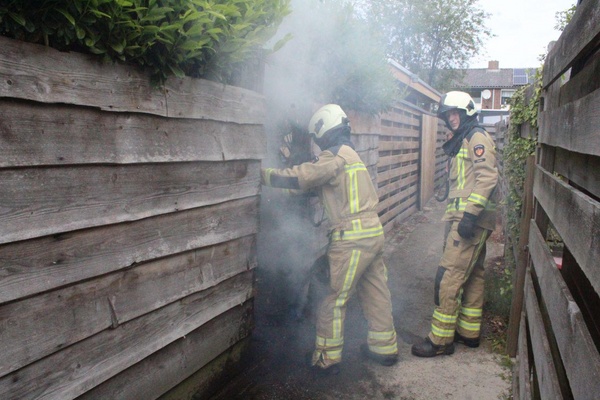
(198, 38)
(517, 150)
(431, 38)
(564, 17)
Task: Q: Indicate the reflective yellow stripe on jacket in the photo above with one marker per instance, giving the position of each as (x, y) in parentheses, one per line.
(353, 199)
(357, 231)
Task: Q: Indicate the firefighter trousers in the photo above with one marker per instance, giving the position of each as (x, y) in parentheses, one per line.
(459, 286)
(355, 266)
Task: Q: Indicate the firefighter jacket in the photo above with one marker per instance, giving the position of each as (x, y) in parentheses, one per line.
(344, 187)
(473, 177)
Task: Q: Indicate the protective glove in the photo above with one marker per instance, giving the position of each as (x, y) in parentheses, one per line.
(466, 226)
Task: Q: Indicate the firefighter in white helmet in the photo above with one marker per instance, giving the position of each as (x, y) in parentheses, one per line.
(355, 248)
(471, 217)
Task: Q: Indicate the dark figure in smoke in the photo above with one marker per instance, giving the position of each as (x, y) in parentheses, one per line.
(356, 240)
(471, 217)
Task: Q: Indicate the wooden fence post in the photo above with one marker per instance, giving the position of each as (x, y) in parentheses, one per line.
(521, 256)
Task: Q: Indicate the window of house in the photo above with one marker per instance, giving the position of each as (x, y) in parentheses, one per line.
(506, 95)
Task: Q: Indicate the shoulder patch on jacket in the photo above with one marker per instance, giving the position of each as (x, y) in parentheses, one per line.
(479, 150)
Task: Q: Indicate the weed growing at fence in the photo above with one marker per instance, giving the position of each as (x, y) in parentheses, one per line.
(500, 271)
(522, 111)
(197, 38)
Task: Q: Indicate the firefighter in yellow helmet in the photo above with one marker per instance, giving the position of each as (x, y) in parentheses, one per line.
(471, 217)
(356, 241)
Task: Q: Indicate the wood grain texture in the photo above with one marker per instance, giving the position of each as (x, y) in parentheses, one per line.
(34, 72)
(38, 202)
(577, 349)
(86, 364)
(35, 134)
(427, 159)
(542, 357)
(574, 126)
(580, 169)
(524, 372)
(112, 300)
(156, 374)
(579, 227)
(37, 265)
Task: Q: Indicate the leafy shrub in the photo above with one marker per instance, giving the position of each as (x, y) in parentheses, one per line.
(198, 38)
(522, 111)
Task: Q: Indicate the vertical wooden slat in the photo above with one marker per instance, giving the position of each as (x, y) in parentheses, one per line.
(428, 141)
(519, 281)
(544, 365)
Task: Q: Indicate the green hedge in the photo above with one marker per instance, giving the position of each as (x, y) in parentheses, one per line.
(198, 38)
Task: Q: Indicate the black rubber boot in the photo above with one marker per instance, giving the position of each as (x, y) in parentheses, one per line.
(428, 349)
(331, 370)
(469, 342)
(383, 359)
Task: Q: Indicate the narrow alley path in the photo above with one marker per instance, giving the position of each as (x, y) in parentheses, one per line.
(277, 369)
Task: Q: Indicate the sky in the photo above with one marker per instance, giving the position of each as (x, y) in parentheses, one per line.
(523, 29)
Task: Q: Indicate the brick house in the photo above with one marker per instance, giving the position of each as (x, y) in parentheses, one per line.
(492, 87)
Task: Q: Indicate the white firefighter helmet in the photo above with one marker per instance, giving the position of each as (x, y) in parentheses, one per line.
(326, 118)
(456, 100)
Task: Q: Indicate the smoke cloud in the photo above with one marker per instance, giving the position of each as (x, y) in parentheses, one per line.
(287, 242)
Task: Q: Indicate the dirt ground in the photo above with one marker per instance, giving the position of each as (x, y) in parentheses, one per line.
(277, 360)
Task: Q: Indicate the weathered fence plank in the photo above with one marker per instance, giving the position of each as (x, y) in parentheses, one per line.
(398, 117)
(388, 174)
(578, 227)
(33, 72)
(112, 300)
(398, 185)
(544, 365)
(578, 352)
(583, 83)
(581, 169)
(385, 145)
(398, 159)
(578, 39)
(100, 357)
(390, 218)
(399, 198)
(154, 375)
(38, 265)
(521, 257)
(523, 362)
(574, 126)
(391, 131)
(199, 98)
(33, 134)
(427, 158)
(39, 202)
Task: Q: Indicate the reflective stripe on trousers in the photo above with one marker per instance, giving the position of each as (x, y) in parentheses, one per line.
(356, 267)
(461, 287)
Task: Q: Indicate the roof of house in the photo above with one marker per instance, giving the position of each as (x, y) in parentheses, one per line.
(495, 78)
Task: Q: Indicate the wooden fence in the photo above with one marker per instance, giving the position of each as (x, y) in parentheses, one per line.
(398, 166)
(128, 226)
(559, 336)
